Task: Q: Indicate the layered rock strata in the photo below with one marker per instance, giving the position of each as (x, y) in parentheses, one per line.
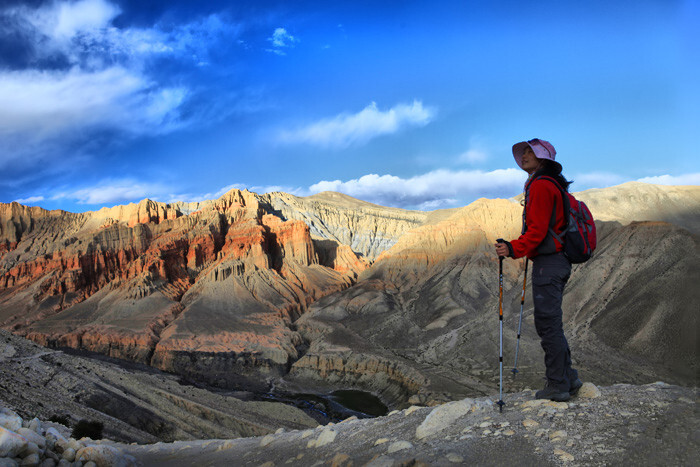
(366, 228)
(211, 294)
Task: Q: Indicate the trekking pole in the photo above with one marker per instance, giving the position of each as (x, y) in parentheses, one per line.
(500, 330)
(520, 322)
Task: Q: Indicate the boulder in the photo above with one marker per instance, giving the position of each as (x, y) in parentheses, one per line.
(399, 446)
(444, 415)
(589, 391)
(31, 460)
(7, 462)
(103, 456)
(266, 440)
(11, 444)
(31, 448)
(10, 420)
(327, 436)
(33, 437)
(35, 425)
(69, 454)
(52, 435)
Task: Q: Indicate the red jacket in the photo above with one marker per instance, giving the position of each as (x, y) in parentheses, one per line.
(541, 198)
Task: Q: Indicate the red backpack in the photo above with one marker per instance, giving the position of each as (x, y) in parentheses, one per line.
(579, 236)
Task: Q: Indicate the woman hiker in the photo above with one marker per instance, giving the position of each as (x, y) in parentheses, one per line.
(551, 269)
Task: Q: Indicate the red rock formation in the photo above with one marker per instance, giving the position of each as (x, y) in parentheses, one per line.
(219, 287)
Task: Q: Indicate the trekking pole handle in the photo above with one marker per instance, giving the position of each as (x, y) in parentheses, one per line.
(500, 240)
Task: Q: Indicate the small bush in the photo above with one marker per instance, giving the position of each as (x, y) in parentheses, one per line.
(91, 429)
(62, 419)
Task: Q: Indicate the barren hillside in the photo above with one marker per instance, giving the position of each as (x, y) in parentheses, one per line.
(332, 292)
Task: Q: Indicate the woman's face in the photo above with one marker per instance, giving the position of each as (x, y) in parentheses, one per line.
(529, 162)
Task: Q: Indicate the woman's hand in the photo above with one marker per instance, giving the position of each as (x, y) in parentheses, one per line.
(501, 249)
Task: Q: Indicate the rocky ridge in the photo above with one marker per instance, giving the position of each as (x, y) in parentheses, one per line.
(651, 424)
(635, 201)
(366, 228)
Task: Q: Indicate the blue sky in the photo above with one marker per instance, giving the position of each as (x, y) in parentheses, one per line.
(411, 104)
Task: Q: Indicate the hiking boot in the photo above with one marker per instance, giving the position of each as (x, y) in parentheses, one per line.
(575, 386)
(553, 394)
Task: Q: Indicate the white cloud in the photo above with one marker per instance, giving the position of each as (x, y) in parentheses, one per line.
(281, 38)
(114, 191)
(103, 82)
(61, 21)
(83, 33)
(439, 188)
(83, 15)
(347, 129)
(437, 204)
(30, 200)
(51, 102)
(685, 179)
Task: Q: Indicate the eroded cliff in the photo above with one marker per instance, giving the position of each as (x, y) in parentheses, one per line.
(210, 294)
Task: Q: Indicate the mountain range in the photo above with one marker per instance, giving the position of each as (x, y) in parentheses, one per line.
(326, 292)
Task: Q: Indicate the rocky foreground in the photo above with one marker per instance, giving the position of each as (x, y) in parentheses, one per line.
(654, 424)
(33, 443)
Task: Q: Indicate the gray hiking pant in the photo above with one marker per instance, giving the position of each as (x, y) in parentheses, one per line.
(549, 276)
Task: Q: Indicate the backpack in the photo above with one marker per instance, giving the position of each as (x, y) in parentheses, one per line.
(579, 236)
